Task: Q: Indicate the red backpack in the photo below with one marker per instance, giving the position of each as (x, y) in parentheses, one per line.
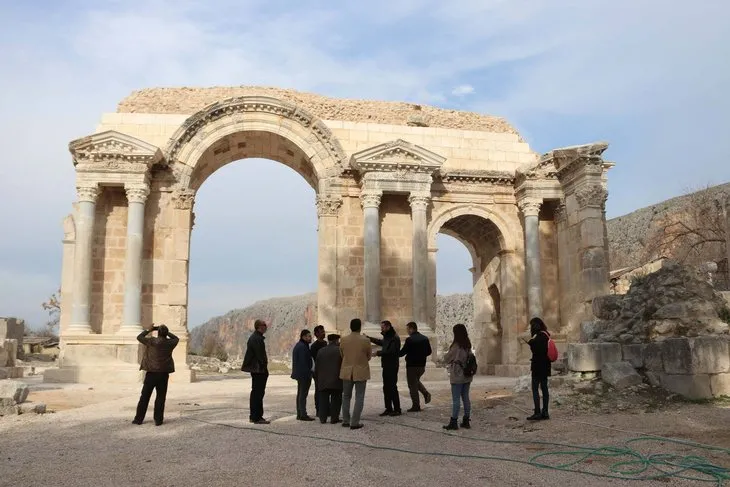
(552, 349)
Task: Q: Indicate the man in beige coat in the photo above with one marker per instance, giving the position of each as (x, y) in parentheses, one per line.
(355, 372)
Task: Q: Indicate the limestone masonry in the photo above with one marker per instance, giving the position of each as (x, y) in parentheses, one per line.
(388, 177)
(191, 100)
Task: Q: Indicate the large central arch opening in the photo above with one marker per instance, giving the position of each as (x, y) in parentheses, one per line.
(482, 240)
(254, 239)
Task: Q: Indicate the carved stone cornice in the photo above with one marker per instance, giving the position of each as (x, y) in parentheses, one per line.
(419, 202)
(113, 151)
(569, 160)
(398, 157)
(256, 104)
(477, 177)
(87, 193)
(591, 195)
(370, 199)
(137, 193)
(529, 206)
(183, 199)
(561, 212)
(328, 206)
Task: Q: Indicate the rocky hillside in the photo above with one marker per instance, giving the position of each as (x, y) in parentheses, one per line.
(226, 335)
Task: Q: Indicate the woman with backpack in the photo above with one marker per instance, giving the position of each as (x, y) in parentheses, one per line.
(540, 367)
(456, 358)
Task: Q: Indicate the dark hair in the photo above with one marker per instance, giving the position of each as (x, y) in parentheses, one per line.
(387, 323)
(355, 324)
(162, 331)
(412, 325)
(536, 326)
(258, 323)
(304, 333)
(318, 328)
(461, 337)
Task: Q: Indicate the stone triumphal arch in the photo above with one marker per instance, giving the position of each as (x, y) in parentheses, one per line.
(388, 178)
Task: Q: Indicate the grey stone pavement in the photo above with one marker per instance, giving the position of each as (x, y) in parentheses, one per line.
(207, 440)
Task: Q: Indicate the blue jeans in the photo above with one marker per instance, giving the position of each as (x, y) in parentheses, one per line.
(460, 392)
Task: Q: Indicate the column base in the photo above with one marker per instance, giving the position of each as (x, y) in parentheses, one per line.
(78, 330)
(130, 330)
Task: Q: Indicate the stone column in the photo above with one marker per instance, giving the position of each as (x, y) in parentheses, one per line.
(530, 209)
(371, 207)
(327, 210)
(419, 205)
(81, 304)
(132, 312)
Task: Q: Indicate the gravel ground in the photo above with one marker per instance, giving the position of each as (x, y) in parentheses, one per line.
(207, 440)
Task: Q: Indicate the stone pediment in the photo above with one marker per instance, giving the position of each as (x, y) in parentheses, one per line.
(113, 151)
(397, 156)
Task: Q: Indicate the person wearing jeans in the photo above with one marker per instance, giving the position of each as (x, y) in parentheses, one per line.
(540, 368)
(301, 371)
(354, 372)
(460, 383)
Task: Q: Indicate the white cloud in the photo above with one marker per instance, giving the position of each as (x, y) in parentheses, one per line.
(462, 90)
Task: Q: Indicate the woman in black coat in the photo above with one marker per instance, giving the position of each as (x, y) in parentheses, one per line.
(540, 367)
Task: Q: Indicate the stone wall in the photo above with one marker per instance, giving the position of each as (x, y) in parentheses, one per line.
(191, 100)
(13, 329)
(396, 284)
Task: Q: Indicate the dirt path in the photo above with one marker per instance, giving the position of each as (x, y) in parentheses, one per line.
(207, 440)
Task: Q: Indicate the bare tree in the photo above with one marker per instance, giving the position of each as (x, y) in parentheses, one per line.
(696, 232)
(53, 307)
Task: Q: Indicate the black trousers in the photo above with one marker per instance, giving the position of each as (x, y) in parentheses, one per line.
(303, 386)
(256, 399)
(413, 376)
(390, 388)
(156, 381)
(330, 404)
(316, 397)
(541, 382)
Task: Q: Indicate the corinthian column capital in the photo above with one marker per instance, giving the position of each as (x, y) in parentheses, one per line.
(419, 201)
(370, 199)
(529, 206)
(328, 206)
(136, 193)
(87, 193)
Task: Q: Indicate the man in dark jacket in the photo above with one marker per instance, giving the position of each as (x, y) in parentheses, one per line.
(318, 344)
(327, 377)
(301, 371)
(389, 360)
(157, 361)
(256, 363)
(416, 349)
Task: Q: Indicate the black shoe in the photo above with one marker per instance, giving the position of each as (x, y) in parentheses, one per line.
(427, 397)
(136, 421)
(345, 425)
(261, 421)
(323, 421)
(335, 421)
(356, 427)
(535, 417)
(397, 412)
(305, 418)
(453, 425)
(158, 423)
(465, 422)
(544, 415)
(414, 409)
(387, 412)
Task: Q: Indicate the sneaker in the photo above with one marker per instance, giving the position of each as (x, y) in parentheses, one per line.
(414, 409)
(387, 412)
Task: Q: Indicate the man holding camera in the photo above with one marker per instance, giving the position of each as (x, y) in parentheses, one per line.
(158, 363)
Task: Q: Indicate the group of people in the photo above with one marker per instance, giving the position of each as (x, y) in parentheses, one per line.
(340, 365)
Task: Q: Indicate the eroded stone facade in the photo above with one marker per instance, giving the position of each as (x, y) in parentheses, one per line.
(388, 177)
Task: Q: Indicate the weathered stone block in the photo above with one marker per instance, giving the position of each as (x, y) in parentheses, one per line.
(9, 410)
(720, 384)
(590, 357)
(634, 354)
(11, 347)
(14, 389)
(677, 356)
(701, 355)
(653, 359)
(607, 307)
(692, 386)
(620, 375)
(3, 356)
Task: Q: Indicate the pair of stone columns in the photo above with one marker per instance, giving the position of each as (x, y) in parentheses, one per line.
(530, 209)
(83, 250)
(371, 210)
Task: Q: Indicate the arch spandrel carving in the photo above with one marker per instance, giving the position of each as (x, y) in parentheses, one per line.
(255, 113)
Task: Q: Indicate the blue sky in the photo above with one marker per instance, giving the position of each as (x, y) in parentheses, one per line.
(651, 77)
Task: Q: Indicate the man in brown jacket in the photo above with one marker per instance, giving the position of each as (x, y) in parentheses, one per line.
(355, 372)
(158, 363)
